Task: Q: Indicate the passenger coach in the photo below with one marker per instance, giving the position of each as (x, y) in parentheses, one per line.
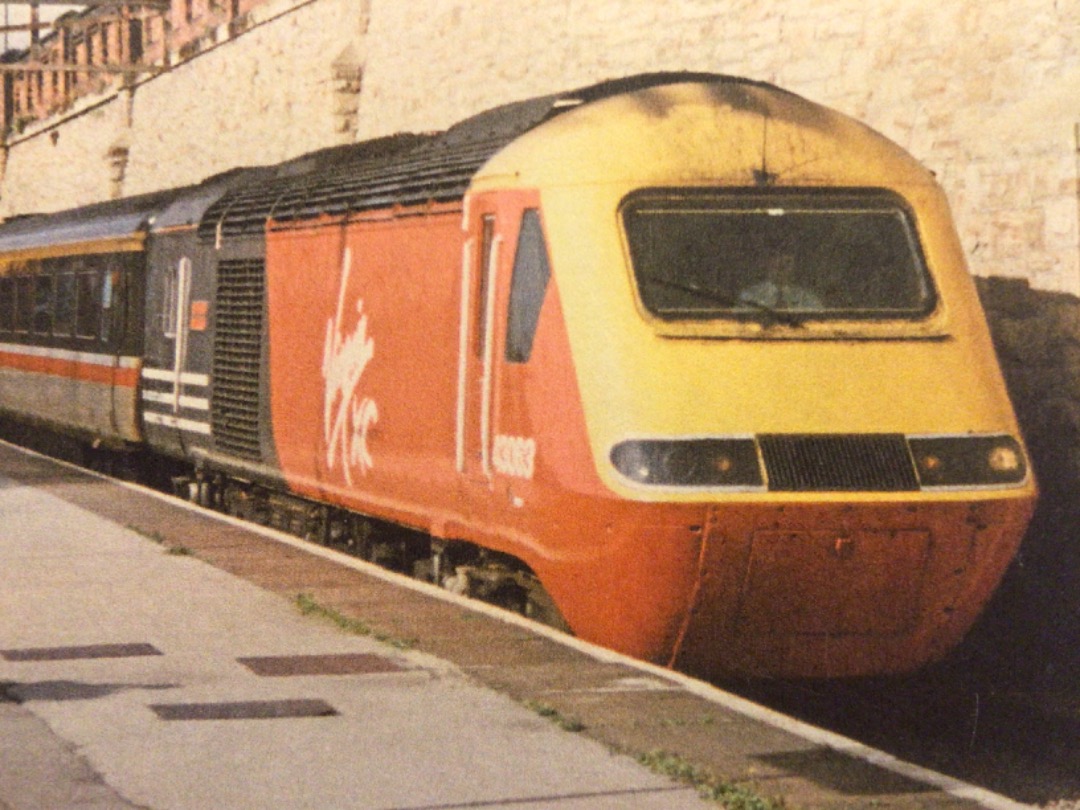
(72, 287)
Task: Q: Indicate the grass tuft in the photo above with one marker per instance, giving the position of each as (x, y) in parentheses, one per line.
(308, 606)
(155, 536)
(729, 795)
(555, 716)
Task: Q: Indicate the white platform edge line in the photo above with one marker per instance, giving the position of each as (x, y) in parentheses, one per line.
(813, 734)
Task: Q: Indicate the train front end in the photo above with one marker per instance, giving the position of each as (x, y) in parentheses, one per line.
(786, 383)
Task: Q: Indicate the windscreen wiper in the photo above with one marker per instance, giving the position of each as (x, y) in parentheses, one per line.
(772, 315)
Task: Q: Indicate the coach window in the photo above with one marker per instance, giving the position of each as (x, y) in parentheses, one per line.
(527, 287)
(109, 296)
(24, 303)
(64, 324)
(7, 303)
(114, 296)
(87, 304)
(43, 304)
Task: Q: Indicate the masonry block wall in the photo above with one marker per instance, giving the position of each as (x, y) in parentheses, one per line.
(256, 93)
(986, 93)
(71, 167)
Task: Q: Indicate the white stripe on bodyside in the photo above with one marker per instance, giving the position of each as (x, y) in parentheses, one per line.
(487, 381)
(166, 398)
(168, 420)
(169, 376)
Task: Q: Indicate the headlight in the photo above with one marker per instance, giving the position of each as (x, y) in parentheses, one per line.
(731, 463)
(957, 461)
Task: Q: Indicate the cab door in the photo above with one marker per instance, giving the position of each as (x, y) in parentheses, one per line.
(175, 375)
(477, 355)
(504, 281)
(166, 355)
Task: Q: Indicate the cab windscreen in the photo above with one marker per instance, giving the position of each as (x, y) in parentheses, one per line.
(809, 254)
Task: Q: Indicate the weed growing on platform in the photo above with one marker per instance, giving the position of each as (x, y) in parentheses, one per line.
(555, 716)
(728, 794)
(152, 535)
(309, 607)
(161, 540)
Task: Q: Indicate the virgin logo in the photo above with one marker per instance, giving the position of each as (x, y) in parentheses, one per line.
(347, 415)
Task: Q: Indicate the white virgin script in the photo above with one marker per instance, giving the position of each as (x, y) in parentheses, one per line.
(347, 416)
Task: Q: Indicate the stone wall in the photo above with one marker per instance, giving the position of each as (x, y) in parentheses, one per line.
(34, 176)
(266, 96)
(280, 85)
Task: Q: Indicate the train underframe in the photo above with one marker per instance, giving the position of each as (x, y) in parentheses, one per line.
(458, 566)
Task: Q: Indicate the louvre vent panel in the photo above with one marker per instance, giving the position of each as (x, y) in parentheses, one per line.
(407, 170)
(838, 463)
(399, 170)
(234, 404)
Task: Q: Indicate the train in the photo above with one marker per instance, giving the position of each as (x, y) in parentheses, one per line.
(684, 363)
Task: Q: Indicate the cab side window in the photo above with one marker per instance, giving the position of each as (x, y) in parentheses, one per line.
(528, 285)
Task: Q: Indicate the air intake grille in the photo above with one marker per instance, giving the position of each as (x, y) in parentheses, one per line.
(234, 408)
(815, 463)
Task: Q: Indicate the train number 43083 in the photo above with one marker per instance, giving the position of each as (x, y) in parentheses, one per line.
(514, 456)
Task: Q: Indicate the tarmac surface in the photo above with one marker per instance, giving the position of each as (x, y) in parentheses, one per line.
(156, 655)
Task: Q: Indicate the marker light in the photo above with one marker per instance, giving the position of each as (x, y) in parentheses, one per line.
(725, 462)
(957, 461)
(1004, 460)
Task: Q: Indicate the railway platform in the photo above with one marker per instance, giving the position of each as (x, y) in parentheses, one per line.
(155, 655)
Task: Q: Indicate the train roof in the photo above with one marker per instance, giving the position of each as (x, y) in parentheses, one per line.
(305, 186)
(122, 219)
(408, 170)
(188, 206)
(115, 219)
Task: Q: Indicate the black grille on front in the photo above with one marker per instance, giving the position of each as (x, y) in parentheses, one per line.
(234, 404)
(838, 463)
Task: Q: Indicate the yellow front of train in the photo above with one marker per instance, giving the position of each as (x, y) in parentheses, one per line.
(769, 314)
